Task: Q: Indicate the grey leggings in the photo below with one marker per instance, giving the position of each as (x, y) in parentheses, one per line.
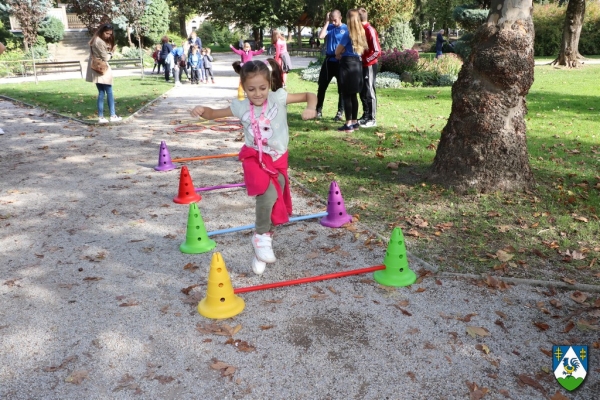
(264, 206)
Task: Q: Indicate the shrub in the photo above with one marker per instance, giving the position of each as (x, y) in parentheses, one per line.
(383, 80)
(212, 34)
(548, 23)
(470, 17)
(398, 36)
(399, 61)
(52, 29)
(462, 46)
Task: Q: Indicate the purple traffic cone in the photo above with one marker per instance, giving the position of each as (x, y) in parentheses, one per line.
(164, 158)
(336, 210)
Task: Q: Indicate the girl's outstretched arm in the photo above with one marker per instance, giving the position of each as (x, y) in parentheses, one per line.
(310, 112)
(211, 113)
(236, 51)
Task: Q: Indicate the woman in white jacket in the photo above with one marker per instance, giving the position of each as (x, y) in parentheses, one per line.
(102, 45)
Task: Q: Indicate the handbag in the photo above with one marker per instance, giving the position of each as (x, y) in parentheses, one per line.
(98, 65)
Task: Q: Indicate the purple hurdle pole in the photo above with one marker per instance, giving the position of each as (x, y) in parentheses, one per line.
(229, 185)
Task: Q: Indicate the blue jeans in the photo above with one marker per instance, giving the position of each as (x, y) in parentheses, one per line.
(102, 88)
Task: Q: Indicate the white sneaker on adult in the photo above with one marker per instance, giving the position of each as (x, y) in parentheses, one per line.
(115, 118)
(258, 266)
(102, 120)
(263, 247)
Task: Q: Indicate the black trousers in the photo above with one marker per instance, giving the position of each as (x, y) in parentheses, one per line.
(367, 94)
(195, 75)
(329, 70)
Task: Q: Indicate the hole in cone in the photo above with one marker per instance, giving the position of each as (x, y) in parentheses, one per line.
(196, 215)
(197, 227)
(220, 285)
(400, 242)
(339, 203)
(222, 299)
(401, 256)
(401, 269)
(199, 239)
(341, 213)
(336, 192)
(218, 269)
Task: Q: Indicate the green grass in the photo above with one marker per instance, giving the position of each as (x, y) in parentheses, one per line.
(464, 233)
(77, 98)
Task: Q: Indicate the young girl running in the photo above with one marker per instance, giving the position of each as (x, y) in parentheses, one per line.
(264, 155)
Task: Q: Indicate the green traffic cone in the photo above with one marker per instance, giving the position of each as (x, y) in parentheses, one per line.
(396, 272)
(196, 238)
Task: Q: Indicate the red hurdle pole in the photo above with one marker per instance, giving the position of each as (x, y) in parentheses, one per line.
(309, 279)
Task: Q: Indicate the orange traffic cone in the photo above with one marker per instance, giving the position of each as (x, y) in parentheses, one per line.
(220, 301)
(187, 194)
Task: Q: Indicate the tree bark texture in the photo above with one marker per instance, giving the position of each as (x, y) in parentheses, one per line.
(569, 47)
(483, 146)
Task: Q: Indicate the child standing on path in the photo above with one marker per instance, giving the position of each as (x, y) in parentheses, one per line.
(156, 57)
(264, 155)
(246, 54)
(207, 60)
(195, 63)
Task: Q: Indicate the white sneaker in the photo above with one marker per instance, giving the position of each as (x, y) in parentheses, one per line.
(263, 248)
(177, 84)
(114, 118)
(258, 266)
(102, 120)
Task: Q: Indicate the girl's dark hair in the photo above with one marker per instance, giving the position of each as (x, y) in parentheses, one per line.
(237, 66)
(269, 69)
(276, 74)
(103, 28)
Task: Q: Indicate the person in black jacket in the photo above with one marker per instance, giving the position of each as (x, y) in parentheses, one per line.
(164, 52)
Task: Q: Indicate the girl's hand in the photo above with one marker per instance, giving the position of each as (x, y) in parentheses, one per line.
(309, 113)
(197, 111)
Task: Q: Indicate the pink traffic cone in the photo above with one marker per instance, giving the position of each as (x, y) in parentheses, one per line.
(336, 210)
(164, 158)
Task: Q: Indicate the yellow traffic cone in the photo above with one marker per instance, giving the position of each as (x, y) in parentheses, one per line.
(220, 301)
(240, 92)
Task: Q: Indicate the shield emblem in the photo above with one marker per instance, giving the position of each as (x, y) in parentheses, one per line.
(570, 365)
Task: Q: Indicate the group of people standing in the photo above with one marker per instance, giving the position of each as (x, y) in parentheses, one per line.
(177, 60)
(352, 52)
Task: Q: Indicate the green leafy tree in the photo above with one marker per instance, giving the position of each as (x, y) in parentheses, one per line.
(30, 14)
(94, 13)
(398, 36)
(155, 21)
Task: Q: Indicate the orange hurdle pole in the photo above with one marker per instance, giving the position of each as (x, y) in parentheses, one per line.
(204, 157)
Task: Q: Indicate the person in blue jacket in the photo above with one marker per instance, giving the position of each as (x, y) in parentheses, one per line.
(165, 50)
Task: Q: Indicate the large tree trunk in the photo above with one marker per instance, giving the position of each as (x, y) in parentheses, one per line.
(181, 20)
(483, 145)
(569, 47)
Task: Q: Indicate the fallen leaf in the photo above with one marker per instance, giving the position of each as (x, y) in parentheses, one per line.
(483, 347)
(569, 281)
(405, 312)
(541, 325)
(578, 297)
(411, 375)
(76, 377)
(163, 379)
(192, 267)
(569, 326)
(531, 382)
(475, 331)
(266, 327)
(558, 396)
(500, 323)
(130, 303)
(62, 364)
(475, 392)
(240, 345)
(504, 256)
(188, 289)
(420, 290)
(466, 318)
(501, 314)
(546, 352)
(92, 278)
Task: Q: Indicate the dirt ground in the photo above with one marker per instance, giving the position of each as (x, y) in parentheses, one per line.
(98, 302)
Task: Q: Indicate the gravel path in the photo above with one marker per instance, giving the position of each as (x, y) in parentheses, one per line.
(91, 283)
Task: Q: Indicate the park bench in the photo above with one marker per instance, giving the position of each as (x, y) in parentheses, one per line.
(58, 66)
(125, 63)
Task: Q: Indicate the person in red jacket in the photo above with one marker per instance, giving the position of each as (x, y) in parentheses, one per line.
(369, 61)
